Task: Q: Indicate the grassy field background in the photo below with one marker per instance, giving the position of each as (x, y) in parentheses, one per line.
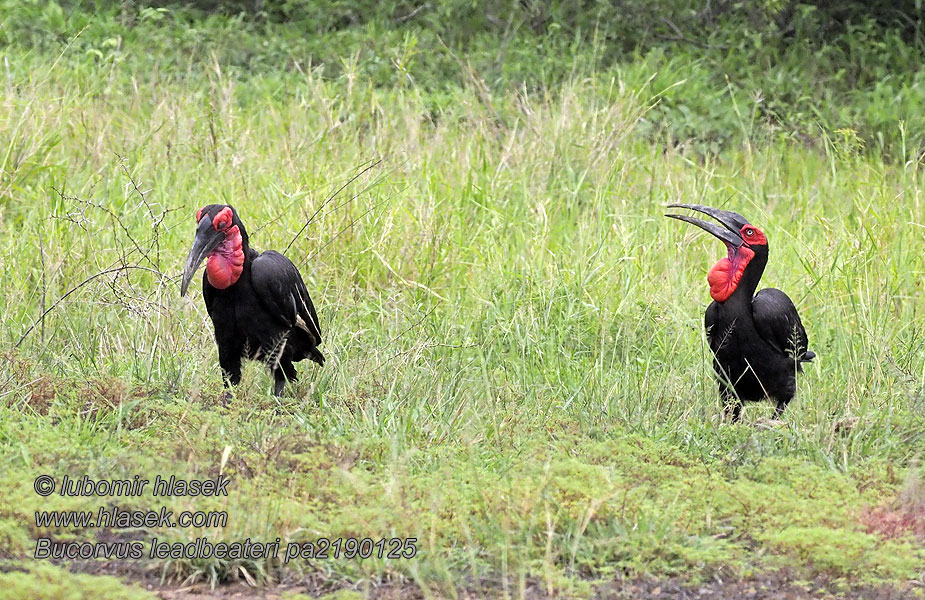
(517, 371)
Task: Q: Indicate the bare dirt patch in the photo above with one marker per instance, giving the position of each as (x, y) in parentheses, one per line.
(779, 585)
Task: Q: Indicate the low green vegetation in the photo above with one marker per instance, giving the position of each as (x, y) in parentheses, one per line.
(44, 581)
(517, 374)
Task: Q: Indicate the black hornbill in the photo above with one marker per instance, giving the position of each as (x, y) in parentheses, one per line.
(758, 340)
(257, 300)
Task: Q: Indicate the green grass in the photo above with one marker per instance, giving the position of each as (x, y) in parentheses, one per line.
(517, 372)
(43, 581)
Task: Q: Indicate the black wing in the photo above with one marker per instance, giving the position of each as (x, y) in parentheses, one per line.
(778, 323)
(717, 337)
(280, 288)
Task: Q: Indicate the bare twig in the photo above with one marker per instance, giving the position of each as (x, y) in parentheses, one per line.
(680, 37)
(413, 13)
(158, 219)
(44, 282)
(115, 218)
(141, 194)
(131, 255)
(412, 326)
(212, 135)
(331, 198)
(345, 228)
(41, 319)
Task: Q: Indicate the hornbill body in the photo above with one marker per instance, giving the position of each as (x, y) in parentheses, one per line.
(758, 341)
(257, 300)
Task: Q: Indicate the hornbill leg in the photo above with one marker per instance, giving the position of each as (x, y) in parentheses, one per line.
(231, 374)
(230, 378)
(281, 374)
(732, 406)
(779, 409)
(289, 370)
(734, 410)
(280, 379)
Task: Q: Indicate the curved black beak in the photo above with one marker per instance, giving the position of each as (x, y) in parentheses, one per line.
(207, 239)
(732, 222)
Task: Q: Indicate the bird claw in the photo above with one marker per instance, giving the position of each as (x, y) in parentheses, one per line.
(226, 397)
(770, 423)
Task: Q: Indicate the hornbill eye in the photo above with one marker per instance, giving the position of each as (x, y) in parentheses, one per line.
(749, 232)
(221, 225)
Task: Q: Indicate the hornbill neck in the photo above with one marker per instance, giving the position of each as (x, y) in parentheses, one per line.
(230, 259)
(751, 276)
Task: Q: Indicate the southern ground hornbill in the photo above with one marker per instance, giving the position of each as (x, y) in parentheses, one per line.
(758, 340)
(257, 300)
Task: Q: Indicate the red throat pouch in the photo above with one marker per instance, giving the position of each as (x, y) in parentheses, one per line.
(725, 275)
(226, 262)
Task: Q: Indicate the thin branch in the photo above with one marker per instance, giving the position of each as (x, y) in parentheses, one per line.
(44, 282)
(41, 319)
(345, 228)
(329, 199)
(112, 215)
(412, 326)
(413, 13)
(143, 195)
(680, 37)
(157, 219)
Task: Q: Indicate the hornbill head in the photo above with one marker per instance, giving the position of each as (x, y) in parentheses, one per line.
(743, 242)
(220, 235)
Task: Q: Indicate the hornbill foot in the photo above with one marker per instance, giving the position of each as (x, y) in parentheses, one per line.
(280, 383)
(732, 412)
(779, 409)
(226, 397)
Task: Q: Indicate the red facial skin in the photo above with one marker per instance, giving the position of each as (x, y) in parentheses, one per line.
(725, 275)
(225, 263)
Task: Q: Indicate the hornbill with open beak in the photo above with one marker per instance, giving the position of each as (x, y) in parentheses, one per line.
(257, 300)
(758, 340)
